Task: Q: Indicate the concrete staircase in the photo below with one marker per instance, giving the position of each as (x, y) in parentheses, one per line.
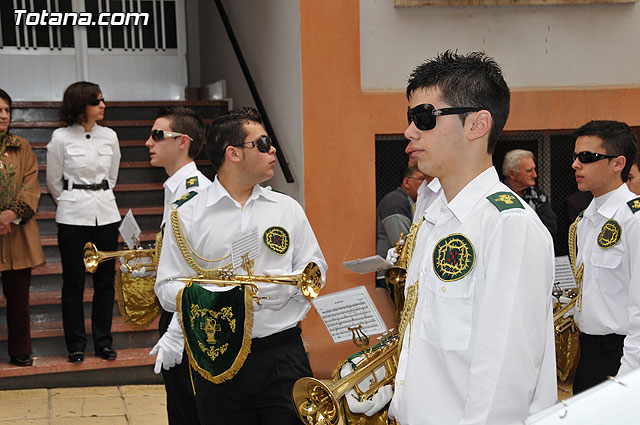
(139, 187)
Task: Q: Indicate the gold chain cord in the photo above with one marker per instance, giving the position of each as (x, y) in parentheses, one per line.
(573, 254)
(186, 251)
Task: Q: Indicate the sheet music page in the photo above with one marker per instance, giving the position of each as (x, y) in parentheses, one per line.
(368, 265)
(351, 307)
(564, 274)
(246, 243)
(129, 230)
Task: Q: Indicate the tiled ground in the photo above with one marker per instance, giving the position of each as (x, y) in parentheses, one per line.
(126, 405)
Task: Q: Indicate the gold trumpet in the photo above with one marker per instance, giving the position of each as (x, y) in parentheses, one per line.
(309, 281)
(92, 257)
(397, 275)
(318, 403)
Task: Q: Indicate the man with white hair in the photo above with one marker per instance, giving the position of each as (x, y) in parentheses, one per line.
(519, 171)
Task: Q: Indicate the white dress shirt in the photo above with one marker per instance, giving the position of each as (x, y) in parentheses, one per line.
(480, 349)
(181, 183)
(611, 280)
(212, 220)
(427, 194)
(84, 158)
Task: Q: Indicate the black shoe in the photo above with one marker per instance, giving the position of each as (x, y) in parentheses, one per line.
(21, 360)
(76, 356)
(107, 353)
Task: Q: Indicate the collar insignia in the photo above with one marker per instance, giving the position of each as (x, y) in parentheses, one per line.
(184, 198)
(610, 234)
(277, 239)
(634, 204)
(453, 257)
(505, 201)
(192, 182)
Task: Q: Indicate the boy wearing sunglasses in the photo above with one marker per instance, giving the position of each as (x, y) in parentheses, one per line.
(608, 233)
(476, 334)
(232, 227)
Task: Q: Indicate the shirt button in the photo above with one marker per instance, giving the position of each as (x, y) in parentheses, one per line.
(402, 382)
(444, 289)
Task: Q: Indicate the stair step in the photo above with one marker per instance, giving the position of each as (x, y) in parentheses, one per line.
(49, 297)
(55, 364)
(137, 164)
(104, 123)
(54, 329)
(48, 215)
(124, 187)
(145, 236)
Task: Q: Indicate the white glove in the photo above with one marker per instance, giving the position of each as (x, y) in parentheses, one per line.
(569, 313)
(169, 347)
(375, 403)
(392, 255)
(275, 295)
(137, 272)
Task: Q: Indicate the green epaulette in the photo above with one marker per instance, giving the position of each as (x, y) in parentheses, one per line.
(581, 215)
(184, 198)
(192, 182)
(505, 201)
(634, 204)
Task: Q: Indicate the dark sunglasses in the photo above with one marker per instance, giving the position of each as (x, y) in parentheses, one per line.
(263, 144)
(589, 157)
(96, 102)
(159, 135)
(424, 116)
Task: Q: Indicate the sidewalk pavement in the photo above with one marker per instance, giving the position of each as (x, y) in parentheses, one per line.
(125, 405)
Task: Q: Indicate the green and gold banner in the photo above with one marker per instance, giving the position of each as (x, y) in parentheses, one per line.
(217, 329)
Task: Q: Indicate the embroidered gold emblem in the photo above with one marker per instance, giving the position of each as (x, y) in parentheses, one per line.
(504, 201)
(277, 239)
(507, 199)
(453, 257)
(207, 320)
(610, 234)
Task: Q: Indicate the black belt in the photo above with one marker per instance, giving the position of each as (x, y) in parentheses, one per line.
(610, 340)
(97, 186)
(280, 338)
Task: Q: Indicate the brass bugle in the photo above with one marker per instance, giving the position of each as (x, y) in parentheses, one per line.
(92, 257)
(318, 403)
(309, 281)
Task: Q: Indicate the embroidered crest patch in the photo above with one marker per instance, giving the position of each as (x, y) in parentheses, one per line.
(192, 182)
(453, 257)
(277, 239)
(184, 198)
(610, 234)
(505, 201)
(634, 204)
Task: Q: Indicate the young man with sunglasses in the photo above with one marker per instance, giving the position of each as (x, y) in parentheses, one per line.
(176, 139)
(232, 227)
(477, 343)
(608, 232)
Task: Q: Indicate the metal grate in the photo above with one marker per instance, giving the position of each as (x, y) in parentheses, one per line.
(553, 150)
(33, 36)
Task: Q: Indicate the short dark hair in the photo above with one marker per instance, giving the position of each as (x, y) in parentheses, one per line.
(5, 96)
(228, 129)
(185, 121)
(75, 100)
(637, 160)
(617, 139)
(472, 80)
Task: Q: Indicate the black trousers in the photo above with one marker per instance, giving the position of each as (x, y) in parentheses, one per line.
(181, 402)
(260, 393)
(71, 240)
(15, 286)
(599, 357)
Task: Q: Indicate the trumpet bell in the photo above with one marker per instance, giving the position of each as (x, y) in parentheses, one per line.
(90, 257)
(315, 402)
(311, 281)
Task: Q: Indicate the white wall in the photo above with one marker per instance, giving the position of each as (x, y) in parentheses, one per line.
(269, 35)
(537, 46)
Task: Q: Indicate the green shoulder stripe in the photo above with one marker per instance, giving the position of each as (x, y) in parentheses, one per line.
(192, 182)
(184, 198)
(505, 201)
(634, 204)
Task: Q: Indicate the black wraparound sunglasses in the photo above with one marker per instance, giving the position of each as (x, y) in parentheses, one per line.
(588, 157)
(424, 116)
(159, 135)
(263, 144)
(96, 102)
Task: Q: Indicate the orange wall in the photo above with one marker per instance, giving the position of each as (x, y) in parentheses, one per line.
(340, 124)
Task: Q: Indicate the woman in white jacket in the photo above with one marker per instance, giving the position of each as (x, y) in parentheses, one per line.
(82, 168)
